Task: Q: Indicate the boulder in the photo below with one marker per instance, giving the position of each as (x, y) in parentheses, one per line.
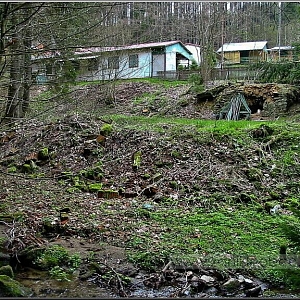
(12, 288)
(231, 284)
(207, 280)
(254, 292)
(7, 270)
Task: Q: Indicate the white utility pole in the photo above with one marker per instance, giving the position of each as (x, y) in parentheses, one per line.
(279, 30)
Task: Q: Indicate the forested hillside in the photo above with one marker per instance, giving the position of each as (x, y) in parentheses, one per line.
(135, 188)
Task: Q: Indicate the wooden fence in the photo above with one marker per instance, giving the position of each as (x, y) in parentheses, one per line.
(233, 74)
(215, 74)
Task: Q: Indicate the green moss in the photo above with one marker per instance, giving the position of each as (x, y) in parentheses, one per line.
(94, 173)
(7, 270)
(146, 176)
(208, 234)
(95, 187)
(43, 154)
(176, 154)
(52, 256)
(57, 255)
(281, 275)
(106, 129)
(173, 184)
(59, 274)
(26, 168)
(12, 288)
(293, 204)
(12, 169)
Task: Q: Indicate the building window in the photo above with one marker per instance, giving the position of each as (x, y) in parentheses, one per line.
(113, 62)
(133, 61)
(93, 64)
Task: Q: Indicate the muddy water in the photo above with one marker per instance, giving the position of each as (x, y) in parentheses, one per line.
(44, 286)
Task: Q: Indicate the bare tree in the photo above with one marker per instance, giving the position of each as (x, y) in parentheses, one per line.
(58, 27)
(15, 55)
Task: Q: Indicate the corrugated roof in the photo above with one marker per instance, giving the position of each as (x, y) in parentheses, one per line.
(91, 50)
(282, 48)
(45, 55)
(229, 47)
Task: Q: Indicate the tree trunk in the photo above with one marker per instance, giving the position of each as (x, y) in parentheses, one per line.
(27, 63)
(3, 22)
(15, 90)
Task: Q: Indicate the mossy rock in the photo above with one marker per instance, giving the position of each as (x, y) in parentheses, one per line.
(12, 288)
(108, 194)
(29, 168)
(26, 168)
(43, 154)
(7, 270)
(29, 255)
(4, 257)
(95, 187)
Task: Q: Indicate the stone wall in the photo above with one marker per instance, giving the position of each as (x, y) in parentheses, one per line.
(272, 100)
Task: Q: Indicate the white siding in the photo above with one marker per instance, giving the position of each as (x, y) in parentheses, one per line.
(170, 61)
(124, 72)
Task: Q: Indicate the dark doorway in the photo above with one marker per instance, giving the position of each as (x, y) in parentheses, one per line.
(255, 104)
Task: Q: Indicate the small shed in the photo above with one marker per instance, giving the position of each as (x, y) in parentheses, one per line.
(134, 61)
(244, 53)
(282, 53)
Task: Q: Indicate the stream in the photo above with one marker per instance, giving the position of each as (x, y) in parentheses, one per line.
(43, 286)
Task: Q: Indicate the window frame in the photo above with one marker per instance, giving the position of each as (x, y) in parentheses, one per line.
(93, 64)
(113, 62)
(133, 62)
